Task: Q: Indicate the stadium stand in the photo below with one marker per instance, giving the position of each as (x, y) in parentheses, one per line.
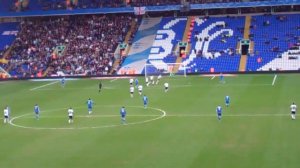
(80, 4)
(277, 41)
(34, 45)
(213, 43)
(8, 32)
(69, 45)
(91, 43)
(153, 2)
(140, 49)
(23, 5)
(85, 45)
(76, 44)
(79, 7)
(219, 1)
(170, 33)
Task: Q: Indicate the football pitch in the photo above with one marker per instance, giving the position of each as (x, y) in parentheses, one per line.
(179, 129)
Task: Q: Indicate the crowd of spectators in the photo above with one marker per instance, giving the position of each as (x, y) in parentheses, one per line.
(91, 43)
(2, 54)
(19, 5)
(88, 44)
(32, 50)
(3, 50)
(82, 4)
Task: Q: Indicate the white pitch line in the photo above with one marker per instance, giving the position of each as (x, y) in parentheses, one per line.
(92, 127)
(227, 115)
(245, 84)
(114, 79)
(69, 88)
(96, 116)
(274, 79)
(44, 85)
(170, 115)
(212, 78)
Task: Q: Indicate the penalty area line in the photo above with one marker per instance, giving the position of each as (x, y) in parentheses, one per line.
(274, 79)
(43, 85)
(213, 77)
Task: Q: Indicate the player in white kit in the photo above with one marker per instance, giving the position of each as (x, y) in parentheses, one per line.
(147, 81)
(131, 81)
(140, 88)
(152, 79)
(166, 87)
(158, 79)
(293, 111)
(71, 115)
(6, 114)
(131, 89)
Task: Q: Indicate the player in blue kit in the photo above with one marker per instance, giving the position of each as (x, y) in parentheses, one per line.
(227, 101)
(222, 78)
(219, 112)
(36, 110)
(136, 82)
(145, 100)
(123, 115)
(90, 104)
(63, 82)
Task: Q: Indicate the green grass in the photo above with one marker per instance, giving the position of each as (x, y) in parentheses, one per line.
(255, 131)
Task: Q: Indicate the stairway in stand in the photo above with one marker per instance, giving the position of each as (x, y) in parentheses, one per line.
(186, 38)
(243, 61)
(127, 38)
